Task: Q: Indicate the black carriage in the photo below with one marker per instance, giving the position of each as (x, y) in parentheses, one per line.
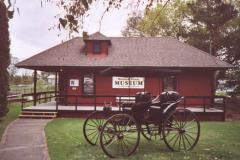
(154, 119)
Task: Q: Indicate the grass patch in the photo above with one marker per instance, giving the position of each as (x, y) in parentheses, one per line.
(20, 89)
(218, 141)
(42, 86)
(14, 110)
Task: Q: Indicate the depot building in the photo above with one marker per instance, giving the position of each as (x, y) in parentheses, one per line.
(97, 65)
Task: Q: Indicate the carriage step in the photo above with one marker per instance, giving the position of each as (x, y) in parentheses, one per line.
(38, 115)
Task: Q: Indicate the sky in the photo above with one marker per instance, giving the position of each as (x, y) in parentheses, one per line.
(30, 34)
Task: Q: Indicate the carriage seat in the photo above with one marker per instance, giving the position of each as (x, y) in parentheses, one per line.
(153, 107)
(136, 109)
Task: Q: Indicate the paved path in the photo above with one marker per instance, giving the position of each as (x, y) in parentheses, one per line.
(24, 139)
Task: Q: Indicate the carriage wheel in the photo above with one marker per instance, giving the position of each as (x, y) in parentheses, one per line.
(120, 136)
(92, 128)
(181, 130)
(150, 131)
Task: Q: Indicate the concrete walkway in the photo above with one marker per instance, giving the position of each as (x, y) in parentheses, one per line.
(24, 139)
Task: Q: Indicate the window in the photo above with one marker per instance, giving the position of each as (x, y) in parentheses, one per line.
(88, 84)
(169, 83)
(96, 47)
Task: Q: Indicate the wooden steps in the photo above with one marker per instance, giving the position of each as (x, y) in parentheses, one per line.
(38, 114)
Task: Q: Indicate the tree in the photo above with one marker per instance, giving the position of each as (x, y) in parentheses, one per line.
(209, 24)
(44, 75)
(75, 11)
(132, 30)
(231, 39)
(163, 20)
(4, 58)
(12, 69)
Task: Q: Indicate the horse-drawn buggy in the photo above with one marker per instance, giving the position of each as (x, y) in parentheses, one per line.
(155, 119)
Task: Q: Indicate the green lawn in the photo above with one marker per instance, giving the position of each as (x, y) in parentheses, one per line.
(14, 110)
(21, 89)
(42, 86)
(218, 141)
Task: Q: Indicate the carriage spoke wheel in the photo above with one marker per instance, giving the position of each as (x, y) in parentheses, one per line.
(181, 130)
(92, 128)
(120, 136)
(150, 131)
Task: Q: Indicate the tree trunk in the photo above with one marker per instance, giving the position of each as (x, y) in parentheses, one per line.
(4, 58)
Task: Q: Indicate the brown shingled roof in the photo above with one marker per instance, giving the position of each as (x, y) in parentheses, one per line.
(126, 51)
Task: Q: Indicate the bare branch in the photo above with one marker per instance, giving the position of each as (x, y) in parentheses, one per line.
(100, 21)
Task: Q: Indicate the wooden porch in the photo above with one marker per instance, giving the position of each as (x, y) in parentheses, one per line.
(206, 108)
(51, 106)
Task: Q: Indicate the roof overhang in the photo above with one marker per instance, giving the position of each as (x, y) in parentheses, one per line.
(123, 69)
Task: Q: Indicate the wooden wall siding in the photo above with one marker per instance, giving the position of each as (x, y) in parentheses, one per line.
(153, 85)
(189, 83)
(195, 83)
(104, 86)
(62, 84)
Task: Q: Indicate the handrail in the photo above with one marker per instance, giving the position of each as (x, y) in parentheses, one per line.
(204, 100)
(93, 97)
(46, 96)
(31, 94)
(118, 95)
(94, 100)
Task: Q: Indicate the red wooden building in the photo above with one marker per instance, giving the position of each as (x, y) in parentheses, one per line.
(97, 69)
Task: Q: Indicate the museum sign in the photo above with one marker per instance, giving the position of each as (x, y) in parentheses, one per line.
(126, 82)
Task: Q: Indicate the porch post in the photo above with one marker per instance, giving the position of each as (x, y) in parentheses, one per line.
(56, 88)
(224, 108)
(213, 87)
(159, 92)
(129, 89)
(95, 98)
(35, 88)
(56, 84)
(144, 89)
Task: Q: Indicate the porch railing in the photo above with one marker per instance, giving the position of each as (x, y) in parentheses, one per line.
(41, 97)
(93, 100)
(204, 102)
